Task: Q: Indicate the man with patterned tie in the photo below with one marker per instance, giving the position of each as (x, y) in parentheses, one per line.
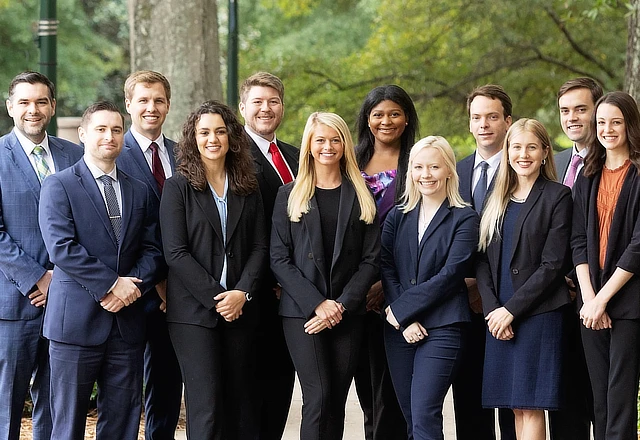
(27, 156)
(576, 101)
(489, 109)
(262, 106)
(100, 227)
(148, 156)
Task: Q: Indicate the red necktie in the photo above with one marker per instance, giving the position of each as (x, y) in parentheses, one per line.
(278, 161)
(156, 166)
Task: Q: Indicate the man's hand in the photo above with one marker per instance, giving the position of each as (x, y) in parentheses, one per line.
(230, 304)
(111, 303)
(375, 297)
(39, 297)
(475, 301)
(391, 319)
(126, 290)
(161, 288)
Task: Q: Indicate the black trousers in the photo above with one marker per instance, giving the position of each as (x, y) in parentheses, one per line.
(613, 360)
(325, 363)
(218, 371)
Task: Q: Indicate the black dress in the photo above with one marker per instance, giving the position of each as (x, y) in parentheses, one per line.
(525, 372)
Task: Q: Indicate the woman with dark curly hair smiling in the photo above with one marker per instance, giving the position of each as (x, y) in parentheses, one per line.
(214, 241)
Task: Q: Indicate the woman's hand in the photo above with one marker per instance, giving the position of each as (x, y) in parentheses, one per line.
(414, 333)
(330, 311)
(375, 297)
(230, 304)
(499, 323)
(592, 313)
(315, 325)
(391, 319)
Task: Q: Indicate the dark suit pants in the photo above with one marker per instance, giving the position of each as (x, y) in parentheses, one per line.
(117, 367)
(277, 376)
(325, 363)
(422, 374)
(573, 422)
(163, 381)
(218, 371)
(383, 419)
(23, 356)
(613, 360)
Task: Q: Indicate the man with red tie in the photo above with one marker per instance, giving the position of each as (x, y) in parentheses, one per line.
(262, 107)
(148, 156)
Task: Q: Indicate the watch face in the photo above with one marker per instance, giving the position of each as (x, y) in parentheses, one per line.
(248, 296)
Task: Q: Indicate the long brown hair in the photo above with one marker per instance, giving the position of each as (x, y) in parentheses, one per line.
(238, 161)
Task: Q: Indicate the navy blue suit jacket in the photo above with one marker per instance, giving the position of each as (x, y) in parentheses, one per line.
(88, 260)
(23, 257)
(424, 281)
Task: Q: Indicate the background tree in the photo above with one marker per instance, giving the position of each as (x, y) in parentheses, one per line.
(632, 74)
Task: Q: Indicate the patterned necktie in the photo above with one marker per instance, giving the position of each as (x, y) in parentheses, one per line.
(156, 166)
(42, 169)
(112, 205)
(480, 192)
(570, 179)
(278, 161)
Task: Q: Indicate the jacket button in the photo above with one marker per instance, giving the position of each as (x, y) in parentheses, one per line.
(310, 256)
(413, 281)
(230, 254)
(515, 271)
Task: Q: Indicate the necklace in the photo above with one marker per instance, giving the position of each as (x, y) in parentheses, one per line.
(517, 200)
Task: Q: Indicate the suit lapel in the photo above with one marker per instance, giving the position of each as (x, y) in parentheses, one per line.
(441, 214)
(532, 199)
(169, 144)
(90, 186)
(313, 225)
(411, 234)
(291, 160)
(60, 157)
(621, 207)
(22, 163)
(235, 204)
(347, 201)
(209, 210)
(133, 148)
(126, 190)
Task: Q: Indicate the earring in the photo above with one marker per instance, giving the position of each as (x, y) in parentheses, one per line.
(544, 162)
(406, 123)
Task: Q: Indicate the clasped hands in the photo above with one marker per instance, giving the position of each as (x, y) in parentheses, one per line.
(499, 323)
(593, 314)
(327, 315)
(230, 304)
(124, 293)
(413, 333)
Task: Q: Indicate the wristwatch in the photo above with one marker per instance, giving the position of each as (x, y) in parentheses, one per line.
(248, 296)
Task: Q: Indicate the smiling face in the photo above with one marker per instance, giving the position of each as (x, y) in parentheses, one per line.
(526, 154)
(103, 137)
(429, 173)
(387, 122)
(611, 128)
(488, 124)
(326, 146)
(31, 108)
(212, 138)
(148, 108)
(262, 111)
(576, 110)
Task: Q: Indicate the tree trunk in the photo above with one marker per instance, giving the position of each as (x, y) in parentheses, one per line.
(632, 74)
(179, 39)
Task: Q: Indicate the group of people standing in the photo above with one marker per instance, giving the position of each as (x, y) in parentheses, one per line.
(229, 260)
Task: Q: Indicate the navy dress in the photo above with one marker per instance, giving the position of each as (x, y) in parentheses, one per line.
(525, 372)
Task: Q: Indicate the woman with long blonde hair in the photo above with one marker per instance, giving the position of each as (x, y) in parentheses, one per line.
(524, 239)
(325, 245)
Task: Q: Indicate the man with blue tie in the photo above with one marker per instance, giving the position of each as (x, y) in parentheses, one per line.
(489, 109)
(148, 156)
(100, 227)
(27, 156)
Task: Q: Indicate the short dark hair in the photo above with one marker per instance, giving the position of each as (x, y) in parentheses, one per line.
(98, 107)
(491, 91)
(32, 77)
(261, 79)
(582, 83)
(594, 161)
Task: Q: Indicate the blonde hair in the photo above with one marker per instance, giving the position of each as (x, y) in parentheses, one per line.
(146, 77)
(412, 195)
(506, 180)
(305, 184)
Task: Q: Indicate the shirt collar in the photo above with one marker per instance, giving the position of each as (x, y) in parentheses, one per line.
(582, 153)
(28, 146)
(261, 142)
(96, 172)
(145, 142)
(493, 161)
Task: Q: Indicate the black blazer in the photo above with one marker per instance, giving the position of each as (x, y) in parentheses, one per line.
(424, 281)
(194, 250)
(464, 168)
(623, 249)
(298, 261)
(540, 256)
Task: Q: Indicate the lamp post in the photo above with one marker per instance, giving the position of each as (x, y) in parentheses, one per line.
(47, 39)
(232, 56)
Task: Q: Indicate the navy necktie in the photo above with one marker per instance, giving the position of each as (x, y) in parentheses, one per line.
(480, 192)
(112, 205)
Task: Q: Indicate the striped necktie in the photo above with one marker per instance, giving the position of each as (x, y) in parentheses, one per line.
(42, 169)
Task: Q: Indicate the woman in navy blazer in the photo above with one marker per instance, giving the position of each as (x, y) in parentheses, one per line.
(427, 246)
(215, 244)
(524, 239)
(608, 275)
(325, 245)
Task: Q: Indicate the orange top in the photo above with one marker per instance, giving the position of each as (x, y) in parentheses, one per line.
(608, 193)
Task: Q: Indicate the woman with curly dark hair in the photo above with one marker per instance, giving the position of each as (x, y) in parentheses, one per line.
(215, 245)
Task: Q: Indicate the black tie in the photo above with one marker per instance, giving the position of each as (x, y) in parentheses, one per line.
(112, 205)
(480, 191)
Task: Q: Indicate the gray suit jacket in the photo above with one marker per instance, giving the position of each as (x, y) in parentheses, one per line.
(562, 159)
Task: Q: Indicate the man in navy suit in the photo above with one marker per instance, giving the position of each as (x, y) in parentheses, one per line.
(100, 227)
(262, 107)
(148, 156)
(27, 155)
(489, 108)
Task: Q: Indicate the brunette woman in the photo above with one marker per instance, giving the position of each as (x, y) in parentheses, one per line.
(524, 239)
(214, 241)
(606, 252)
(325, 245)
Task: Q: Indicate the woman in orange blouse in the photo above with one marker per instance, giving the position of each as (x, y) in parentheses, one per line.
(606, 252)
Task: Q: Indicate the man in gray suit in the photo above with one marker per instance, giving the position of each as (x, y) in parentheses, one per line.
(27, 156)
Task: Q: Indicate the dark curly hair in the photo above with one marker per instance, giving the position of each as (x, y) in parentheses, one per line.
(596, 156)
(238, 161)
